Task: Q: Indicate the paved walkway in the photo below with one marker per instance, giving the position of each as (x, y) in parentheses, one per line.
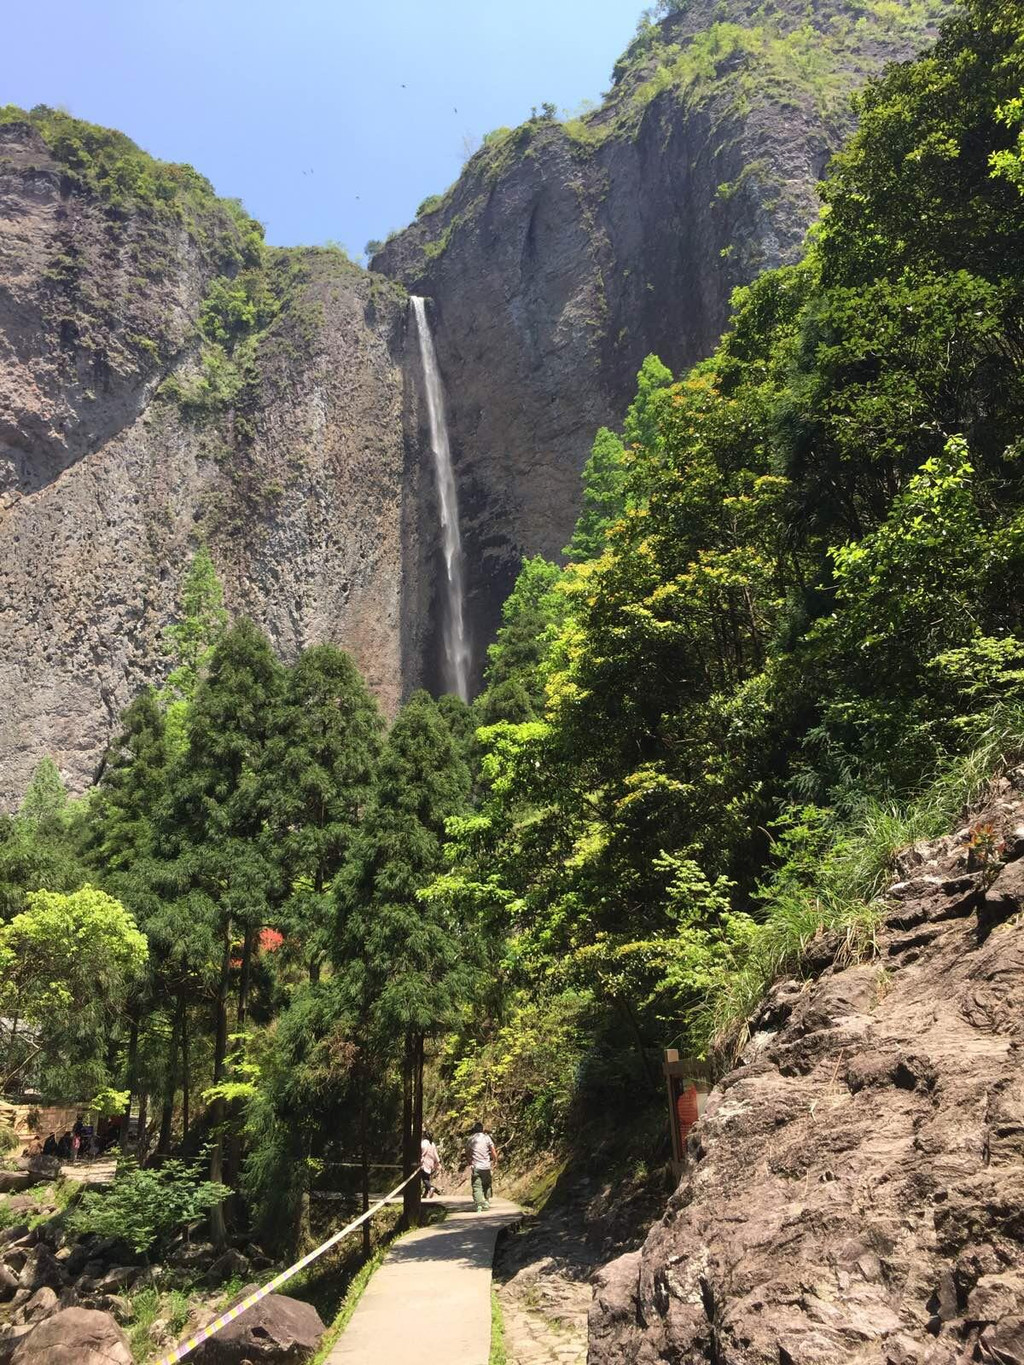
(430, 1302)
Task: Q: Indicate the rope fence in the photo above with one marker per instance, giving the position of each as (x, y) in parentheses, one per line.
(186, 1347)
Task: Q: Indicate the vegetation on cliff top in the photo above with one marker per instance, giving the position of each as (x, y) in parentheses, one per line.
(105, 163)
(792, 56)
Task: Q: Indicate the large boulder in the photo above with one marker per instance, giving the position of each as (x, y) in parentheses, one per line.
(277, 1329)
(40, 1168)
(76, 1336)
(11, 1182)
(41, 1268)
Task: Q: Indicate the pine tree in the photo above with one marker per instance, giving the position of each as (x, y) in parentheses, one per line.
(121, 845)
(604, 497)
(515, 681)
(203, 621)
(320, 763)
(407, 968)
(38, 846)
(191, 640)
(45, 800)
(223, 869)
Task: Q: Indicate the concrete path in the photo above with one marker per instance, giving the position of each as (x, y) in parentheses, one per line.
(430, 1302)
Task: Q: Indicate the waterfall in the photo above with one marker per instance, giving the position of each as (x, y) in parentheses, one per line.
(456, 644)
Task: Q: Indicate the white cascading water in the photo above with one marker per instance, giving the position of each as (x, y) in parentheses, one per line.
(456, 644)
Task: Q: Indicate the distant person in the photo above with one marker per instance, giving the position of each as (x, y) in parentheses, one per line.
(50, 1145)
(79, 1127)
(482, 1156)
(430, 1164)
(64, 1147)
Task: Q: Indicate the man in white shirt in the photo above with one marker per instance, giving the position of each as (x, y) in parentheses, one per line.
(482, 1156)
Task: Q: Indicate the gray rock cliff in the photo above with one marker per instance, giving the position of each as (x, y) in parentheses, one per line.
(106, 484)
(567, 252)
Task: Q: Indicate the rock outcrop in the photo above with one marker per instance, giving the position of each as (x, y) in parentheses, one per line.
(568, 251)
(856, 1186)
(75, 1336)
(277, 1329)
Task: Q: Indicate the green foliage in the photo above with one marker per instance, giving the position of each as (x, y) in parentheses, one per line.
(400, 951)
(66, 964)
(191, 640)
(146, 1207)
(515, 679)
(322, 754)
(105, 163)
(498, 1355)
(67, 955)
(528, 1067)
(45, 800)
(604, 496)
(792, 594)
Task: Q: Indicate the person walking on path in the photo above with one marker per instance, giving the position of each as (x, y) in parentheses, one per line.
(430, 1164)
(482, 1156)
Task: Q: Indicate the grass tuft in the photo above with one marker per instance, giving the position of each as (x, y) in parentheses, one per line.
(498, 1355)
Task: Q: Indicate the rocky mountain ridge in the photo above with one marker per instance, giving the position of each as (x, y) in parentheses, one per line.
(856, 1186)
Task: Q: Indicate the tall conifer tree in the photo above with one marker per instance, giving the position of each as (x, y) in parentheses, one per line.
(407, 967)
(320, 766)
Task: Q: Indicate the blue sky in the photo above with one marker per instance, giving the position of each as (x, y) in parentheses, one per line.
(255, 94)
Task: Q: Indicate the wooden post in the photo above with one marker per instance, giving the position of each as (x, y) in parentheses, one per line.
(671, 1057)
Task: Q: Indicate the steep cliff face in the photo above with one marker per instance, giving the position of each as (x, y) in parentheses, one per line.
(566, 252)
(856, 1187)
(118, 452)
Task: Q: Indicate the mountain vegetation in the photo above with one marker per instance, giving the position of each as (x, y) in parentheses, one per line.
(788, 637)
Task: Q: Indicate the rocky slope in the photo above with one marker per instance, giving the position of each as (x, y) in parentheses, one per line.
(856, 1186)
(566, 252)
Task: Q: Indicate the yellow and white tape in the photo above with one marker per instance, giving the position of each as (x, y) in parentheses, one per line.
(184, 1348)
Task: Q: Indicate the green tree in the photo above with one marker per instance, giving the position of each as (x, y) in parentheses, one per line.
(642, 427)
(320, 762)
(514, 677)
(66, 964)
(45, 801)
(191, 640)
(406, 965)
(604, 497)
(121, 845)
(223, 875)
(39, 845)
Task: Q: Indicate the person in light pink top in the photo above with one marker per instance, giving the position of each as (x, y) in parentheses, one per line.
(430, 1164)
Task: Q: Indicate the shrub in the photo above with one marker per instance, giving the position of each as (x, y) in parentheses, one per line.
(145, 1207)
